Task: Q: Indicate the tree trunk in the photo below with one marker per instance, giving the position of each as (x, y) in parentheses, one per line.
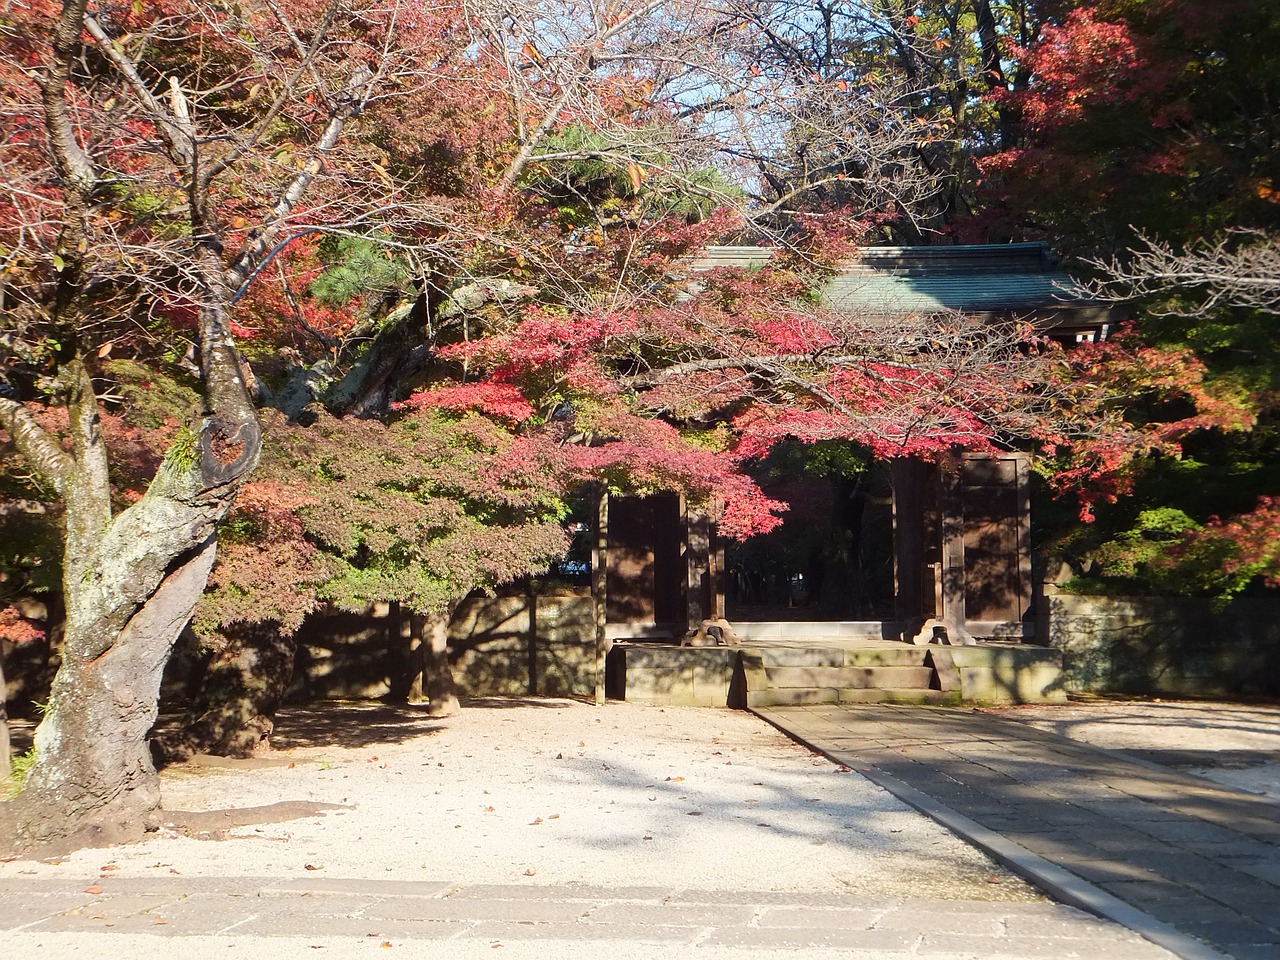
(441, 691)
(411, 631)
(93, 781)
(131, 581)
(234, 712)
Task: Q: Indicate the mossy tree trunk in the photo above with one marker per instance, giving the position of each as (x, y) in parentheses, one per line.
(131, 580)
(130, 584)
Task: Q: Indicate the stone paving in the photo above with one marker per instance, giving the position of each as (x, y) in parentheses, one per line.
(1201, 859)
(691, 921)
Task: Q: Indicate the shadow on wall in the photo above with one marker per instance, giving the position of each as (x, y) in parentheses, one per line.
(524, 644)
(1167, 646)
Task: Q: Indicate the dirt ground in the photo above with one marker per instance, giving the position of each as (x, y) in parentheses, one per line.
(536, 792)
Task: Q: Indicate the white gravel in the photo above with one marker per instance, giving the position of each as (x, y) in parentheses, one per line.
(560, 792)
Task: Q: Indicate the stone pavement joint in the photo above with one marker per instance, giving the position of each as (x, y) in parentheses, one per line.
(1189, 865)
(253, 908)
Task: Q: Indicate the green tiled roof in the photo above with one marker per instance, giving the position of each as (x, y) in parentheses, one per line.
(985, 279)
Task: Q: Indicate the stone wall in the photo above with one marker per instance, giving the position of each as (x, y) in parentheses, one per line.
(1166, 646)
(499, 646)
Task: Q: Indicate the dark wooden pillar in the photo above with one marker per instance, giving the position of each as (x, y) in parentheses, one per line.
(909, 478)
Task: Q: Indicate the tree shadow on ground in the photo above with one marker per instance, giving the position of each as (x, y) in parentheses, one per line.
(366, 724)
(355, 723)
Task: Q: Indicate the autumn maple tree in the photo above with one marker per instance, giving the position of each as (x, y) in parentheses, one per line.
(174, 172)
(1144, 144)
(155, 161)
(479, 227)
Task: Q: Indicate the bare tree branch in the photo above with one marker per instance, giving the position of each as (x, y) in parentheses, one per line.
(1241, 269)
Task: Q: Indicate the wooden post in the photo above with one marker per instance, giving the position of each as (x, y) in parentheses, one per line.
(1024, 541)
(953, 546)
(698, 566)
(531, 638)
(6, 751)
(599, 587)
(908, 539)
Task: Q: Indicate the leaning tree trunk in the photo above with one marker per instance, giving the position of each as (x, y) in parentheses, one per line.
(130, 584)
(131, 581)
(93, 782)
(243, 686)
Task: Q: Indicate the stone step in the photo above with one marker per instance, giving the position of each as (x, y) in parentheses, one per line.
(750, 630)
(812, 696)
(936, 698)
(901, 656)
(792, 696)
(851, 677)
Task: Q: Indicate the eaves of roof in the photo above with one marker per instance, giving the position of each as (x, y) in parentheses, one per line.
(1017, 279)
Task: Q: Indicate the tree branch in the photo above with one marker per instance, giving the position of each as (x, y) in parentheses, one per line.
(306, 64)
(36, 444)
(178, 137)
(346, 106)
(74, 165)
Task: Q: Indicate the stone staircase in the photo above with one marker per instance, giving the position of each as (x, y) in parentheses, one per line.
(796, 675)
(797, 663)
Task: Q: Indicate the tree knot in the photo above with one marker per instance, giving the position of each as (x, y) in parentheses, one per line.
(228, 449)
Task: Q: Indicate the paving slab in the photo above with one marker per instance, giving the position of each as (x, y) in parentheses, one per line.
(1192, 866)
(613, 921)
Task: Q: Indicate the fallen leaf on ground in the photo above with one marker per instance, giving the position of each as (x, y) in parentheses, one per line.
(95, 889)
